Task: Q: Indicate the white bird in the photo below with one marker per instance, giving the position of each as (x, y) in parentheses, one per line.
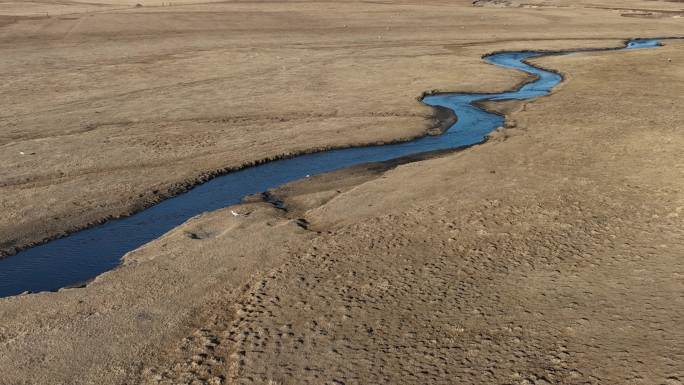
(21, 153)
(234, 213)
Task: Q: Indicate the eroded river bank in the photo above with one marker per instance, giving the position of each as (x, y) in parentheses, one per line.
(83, 255)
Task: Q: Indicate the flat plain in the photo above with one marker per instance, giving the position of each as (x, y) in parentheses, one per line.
(550, 254)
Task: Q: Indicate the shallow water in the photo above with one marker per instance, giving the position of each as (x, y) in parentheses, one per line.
(88, 253)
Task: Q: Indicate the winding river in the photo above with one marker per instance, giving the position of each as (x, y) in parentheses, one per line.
(88, 253)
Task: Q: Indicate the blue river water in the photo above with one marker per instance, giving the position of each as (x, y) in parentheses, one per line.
(88, 253)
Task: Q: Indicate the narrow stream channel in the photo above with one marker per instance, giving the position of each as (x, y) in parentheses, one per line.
(88, 253)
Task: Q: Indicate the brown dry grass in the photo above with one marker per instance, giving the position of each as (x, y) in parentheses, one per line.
(550, 256)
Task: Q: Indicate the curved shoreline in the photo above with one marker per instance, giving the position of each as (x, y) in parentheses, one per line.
(176, 189)
(443, 116)
(179, 188)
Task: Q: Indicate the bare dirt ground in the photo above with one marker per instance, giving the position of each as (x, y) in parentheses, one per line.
(550, 254)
